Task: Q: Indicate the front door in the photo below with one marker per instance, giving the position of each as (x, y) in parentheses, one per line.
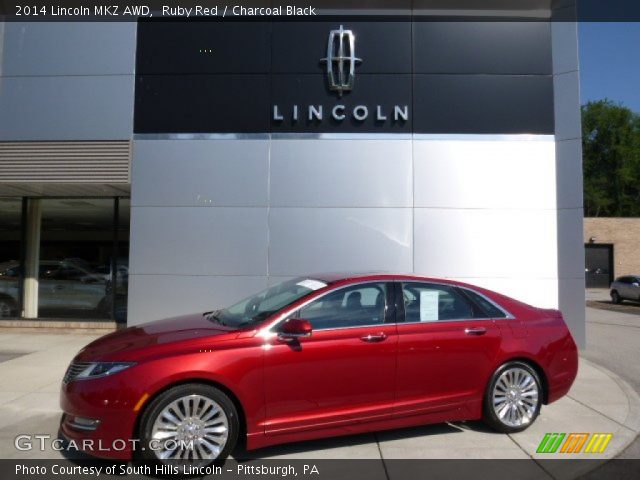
(344, 372)
(445, 350)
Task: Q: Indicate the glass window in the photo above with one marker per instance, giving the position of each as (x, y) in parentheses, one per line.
(488, 308)
(425, 302)
(83, 258)
(10, 239)
(359, 305)
(121, 273)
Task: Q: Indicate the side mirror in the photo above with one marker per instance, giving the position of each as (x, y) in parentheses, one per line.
(293, 329)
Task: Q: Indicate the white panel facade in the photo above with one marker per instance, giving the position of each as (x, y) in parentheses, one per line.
(69, 48)
(491, 173)
(482, 210)
(566, 85)
(493, 243)
(308, 240)
(66, 108)
(199, 173)
(341, 173)
(198, 241)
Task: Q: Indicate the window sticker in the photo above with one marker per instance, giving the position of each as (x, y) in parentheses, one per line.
(429, 301)
(312, 284)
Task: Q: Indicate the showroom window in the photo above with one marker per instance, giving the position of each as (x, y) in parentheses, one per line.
(10, 255)
(64, 258)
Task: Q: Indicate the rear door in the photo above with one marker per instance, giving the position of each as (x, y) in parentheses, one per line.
(446, 349)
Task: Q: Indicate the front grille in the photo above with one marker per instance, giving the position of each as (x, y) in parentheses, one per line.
(74, 370)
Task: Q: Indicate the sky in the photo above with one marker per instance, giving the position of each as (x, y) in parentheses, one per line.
(610, 62)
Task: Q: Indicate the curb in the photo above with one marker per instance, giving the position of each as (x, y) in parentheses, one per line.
(627, 430)
(632, 421)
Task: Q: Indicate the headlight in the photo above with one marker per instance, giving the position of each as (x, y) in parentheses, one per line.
(101, 369)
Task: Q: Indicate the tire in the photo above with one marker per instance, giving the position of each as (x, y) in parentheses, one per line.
(7, 308)
(209, 408)
(615, 297)
(513, 398)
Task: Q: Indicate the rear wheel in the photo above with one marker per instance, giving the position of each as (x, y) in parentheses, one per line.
(615, 297)
(193, 423)
(513, 398)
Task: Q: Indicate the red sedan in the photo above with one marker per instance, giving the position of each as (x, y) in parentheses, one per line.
(316, 357)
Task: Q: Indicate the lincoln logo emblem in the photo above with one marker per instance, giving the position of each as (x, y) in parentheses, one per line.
(341, 60)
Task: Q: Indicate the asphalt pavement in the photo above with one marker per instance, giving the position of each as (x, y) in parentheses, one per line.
(613, 341)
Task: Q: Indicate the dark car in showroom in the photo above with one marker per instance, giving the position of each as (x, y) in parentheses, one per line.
(318, 356)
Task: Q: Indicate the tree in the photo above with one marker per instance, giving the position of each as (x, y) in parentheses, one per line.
(611, 160)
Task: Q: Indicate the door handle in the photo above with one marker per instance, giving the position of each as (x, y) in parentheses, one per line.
(374, 338)
(475, 331)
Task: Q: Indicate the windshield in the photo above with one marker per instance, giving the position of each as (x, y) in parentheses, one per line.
(257, 307)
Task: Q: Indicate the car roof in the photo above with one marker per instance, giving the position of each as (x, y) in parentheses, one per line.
(335, 277)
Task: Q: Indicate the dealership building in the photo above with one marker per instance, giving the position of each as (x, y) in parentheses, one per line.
(154, 168)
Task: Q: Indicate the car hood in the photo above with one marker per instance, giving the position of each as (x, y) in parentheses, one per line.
(132, 343)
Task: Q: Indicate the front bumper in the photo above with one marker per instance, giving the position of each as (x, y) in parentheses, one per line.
(99, 418)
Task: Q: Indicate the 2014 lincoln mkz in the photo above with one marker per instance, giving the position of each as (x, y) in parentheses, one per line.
(314, 357)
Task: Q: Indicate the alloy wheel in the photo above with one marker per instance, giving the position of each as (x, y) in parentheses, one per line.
(193, 428)
(515, 397)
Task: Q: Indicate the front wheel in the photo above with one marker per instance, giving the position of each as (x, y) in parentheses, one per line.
(194, 423)
(513, 398)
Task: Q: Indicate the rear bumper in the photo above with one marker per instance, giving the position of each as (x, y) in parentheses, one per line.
(563, 371)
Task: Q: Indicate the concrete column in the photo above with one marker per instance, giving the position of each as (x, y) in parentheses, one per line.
(32, 259)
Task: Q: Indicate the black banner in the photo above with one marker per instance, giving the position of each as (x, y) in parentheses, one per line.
(198, 77)
(118, 10)
(320, 469)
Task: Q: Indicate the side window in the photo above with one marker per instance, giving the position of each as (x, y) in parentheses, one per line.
(488, 308)
(359, 305)
(426, 302)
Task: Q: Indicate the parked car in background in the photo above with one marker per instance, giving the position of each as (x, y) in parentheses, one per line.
(314, 357)
(63, 286)
(625, 288)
